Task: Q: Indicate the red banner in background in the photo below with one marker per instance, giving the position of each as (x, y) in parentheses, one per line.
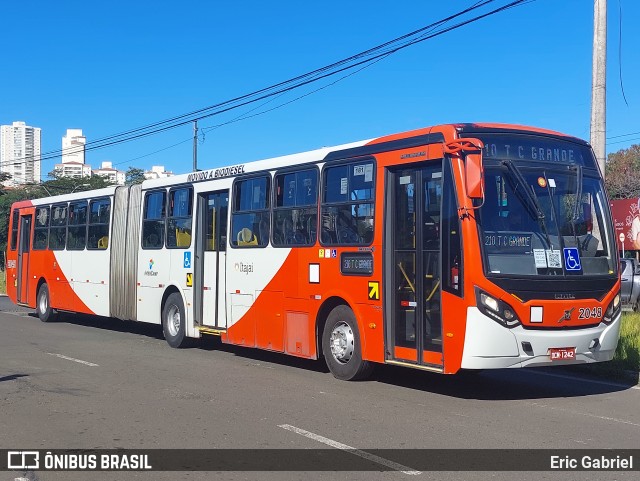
(626, 219)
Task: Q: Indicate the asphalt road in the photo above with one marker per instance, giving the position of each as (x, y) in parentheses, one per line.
(94, 383)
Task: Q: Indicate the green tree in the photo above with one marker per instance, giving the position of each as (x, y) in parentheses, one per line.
(622, 173)
(8, 197)
(58, 184)
(134, 176)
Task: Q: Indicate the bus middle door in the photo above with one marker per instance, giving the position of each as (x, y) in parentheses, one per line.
(210, 267)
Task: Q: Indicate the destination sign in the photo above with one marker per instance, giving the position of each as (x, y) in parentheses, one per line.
(507, 242)
(534, 148)
(356, 263)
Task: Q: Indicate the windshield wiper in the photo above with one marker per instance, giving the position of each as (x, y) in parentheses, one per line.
(576, 207)
(531, 201)
(530, 197)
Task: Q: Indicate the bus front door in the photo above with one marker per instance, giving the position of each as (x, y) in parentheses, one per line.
(24, 248)
(210, 260)
(413, 310)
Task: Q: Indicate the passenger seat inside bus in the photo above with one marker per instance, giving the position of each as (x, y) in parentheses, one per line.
(183, 238)
(103, 242)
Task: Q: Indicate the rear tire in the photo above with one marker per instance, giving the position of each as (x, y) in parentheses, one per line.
(43, 305)
(173, 321)
(342, 348)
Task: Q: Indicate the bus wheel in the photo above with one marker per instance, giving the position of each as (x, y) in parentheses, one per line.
(43, 305)
(342, 348)
(173, 321)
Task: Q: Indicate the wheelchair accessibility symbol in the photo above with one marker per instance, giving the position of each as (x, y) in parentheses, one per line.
(572, 259)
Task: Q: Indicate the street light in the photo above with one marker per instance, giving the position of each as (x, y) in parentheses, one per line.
(78, 186)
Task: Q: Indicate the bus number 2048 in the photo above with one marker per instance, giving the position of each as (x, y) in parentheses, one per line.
(589, 313)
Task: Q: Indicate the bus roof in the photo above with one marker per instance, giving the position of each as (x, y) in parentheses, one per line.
(317, 155)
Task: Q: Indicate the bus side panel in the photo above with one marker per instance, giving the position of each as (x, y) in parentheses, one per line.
(91, 281)
(258, 319)
(263, 293)
(453, 331)
(363, 294)
(53, 267)
(58, 268)
(154, 269)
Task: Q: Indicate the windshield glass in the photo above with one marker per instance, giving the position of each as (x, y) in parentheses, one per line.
(545, 220)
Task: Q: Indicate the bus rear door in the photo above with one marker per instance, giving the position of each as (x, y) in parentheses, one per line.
(413, 281)
(24, 248)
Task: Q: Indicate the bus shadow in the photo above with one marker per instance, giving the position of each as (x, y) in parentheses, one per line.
(205, 343)
(214, 343)
(109, 324)
(501, 384)
(497, 385)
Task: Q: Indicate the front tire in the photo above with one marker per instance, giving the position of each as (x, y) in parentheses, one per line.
(173, 321)
(43, 305)
(342, 348)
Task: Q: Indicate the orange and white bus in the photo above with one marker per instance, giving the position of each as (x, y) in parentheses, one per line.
(462, 246)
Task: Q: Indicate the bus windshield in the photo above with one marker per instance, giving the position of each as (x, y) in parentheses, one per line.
(545, 220)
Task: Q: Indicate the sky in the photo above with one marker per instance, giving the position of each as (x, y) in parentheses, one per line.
(108, 67)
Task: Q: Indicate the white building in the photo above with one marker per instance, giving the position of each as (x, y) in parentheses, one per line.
(73, 169)
(114, 175)
(73, 146)
(20, 153)
(73, 150)
(157, 172)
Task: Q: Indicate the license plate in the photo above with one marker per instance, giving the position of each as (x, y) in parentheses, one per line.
(562, 353)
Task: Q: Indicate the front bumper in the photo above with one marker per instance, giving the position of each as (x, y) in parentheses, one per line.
(488, 345)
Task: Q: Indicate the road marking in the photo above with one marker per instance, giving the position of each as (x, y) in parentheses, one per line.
(583, 379)
(352, 450)
(605, 418)
(87, 363)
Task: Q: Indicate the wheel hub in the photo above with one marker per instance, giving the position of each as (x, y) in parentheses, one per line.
(174, 321)
(342, 342)
(43, 303)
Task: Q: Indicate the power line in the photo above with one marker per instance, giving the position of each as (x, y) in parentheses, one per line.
(623, 141)
(622, 135)
(369, 56)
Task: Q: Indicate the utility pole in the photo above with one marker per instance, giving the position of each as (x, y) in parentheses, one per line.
(599, 83)
(195, 145)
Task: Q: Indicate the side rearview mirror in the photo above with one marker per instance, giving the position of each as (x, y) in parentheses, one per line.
(474, 175)
(470, 150)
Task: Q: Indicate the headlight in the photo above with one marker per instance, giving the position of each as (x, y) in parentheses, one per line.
(613, 310)
(496, 309)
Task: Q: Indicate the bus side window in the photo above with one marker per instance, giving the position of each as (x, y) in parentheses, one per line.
(250, 212)
(347, 211)
(295, 213)
(41, 229)
(99, 217)
(14, 229)
(77, 233)
(153, 218)
(451, 242)
(179, 218)
(58, 227)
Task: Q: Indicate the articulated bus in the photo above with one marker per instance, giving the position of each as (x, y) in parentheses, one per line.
(462, 246)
